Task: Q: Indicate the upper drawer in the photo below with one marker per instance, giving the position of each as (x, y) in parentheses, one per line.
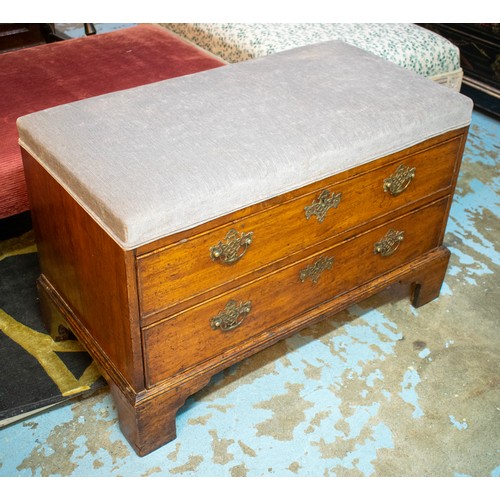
(195, 265)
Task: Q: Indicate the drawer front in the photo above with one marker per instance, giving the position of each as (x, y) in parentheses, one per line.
(211, 328)
(202, 263)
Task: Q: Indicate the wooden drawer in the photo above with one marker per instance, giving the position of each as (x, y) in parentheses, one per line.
(192, 336)
(183, 270)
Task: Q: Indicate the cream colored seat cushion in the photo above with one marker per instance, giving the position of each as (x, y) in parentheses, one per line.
(157, 159)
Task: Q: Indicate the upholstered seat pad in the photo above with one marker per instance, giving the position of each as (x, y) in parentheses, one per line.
(154, 160)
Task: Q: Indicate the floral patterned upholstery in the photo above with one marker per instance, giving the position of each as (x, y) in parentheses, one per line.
(407, 45)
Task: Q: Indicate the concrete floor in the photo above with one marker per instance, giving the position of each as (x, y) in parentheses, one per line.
(381, 389)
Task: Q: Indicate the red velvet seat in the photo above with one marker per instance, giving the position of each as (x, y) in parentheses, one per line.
(48, 75)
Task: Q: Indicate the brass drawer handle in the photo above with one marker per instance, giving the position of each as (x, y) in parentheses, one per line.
(232, 316)
(399, 180)
(233, 248)
(389, 243)
(322, 204)
(314, 271)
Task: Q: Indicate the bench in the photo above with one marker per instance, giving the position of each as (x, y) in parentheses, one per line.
(186, 224)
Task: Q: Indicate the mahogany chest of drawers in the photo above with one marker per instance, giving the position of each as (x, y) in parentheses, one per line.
(161, 315)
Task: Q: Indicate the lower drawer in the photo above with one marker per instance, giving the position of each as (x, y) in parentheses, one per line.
(184, 340)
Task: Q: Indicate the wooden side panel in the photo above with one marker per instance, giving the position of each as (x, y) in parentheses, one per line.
(91, 273)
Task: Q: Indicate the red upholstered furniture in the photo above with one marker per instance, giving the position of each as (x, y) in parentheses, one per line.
(48, 75)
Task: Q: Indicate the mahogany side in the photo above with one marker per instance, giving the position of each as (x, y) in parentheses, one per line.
(91, 273)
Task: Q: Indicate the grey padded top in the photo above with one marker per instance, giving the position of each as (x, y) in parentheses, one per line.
(154, 160)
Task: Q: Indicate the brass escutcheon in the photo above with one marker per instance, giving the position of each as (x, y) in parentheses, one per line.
(232, 316)
(399, 180)
(233, 248)
(389, 243)
(322, 204)
(314, 271)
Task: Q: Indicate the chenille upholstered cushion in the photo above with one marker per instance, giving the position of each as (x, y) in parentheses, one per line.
(48, 75)
(157, 159)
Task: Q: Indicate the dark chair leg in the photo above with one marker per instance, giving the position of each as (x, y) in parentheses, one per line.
(49, 33)
(89, 29)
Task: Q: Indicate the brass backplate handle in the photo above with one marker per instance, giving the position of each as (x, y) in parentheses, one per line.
(314, 270)
(232, 316)
(232, 249)
(399, 180)
(320, 206)
(389, 243)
